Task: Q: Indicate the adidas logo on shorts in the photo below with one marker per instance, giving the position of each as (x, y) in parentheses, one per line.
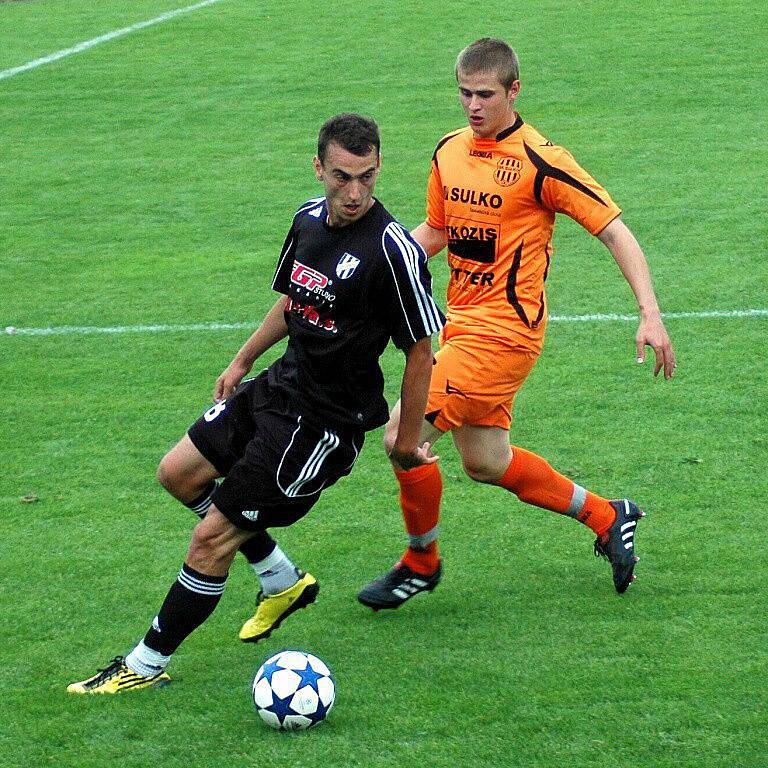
(250, 514)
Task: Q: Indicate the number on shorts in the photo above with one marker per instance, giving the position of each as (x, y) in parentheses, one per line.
(215, 410)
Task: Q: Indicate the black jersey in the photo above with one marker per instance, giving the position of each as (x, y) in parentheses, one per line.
(350, 290)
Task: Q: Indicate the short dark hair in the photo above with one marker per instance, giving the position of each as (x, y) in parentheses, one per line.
(355, 133)
(490, 54)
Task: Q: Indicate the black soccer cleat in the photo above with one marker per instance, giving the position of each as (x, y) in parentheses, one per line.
(618, 543)
(398, 585)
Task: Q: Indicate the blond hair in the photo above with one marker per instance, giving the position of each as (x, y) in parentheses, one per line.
(490, 55)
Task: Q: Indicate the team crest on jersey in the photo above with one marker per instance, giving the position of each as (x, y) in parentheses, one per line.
(507, 171)
(346, 266)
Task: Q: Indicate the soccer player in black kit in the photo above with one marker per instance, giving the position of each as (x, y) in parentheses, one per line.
(350, 278)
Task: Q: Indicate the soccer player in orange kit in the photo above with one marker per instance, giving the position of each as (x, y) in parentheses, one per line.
(493, 192)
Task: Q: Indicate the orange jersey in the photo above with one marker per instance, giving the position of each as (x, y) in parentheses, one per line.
(496, 199)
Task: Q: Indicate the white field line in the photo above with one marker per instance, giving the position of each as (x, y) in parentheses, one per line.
(79, 330)
(84, 46)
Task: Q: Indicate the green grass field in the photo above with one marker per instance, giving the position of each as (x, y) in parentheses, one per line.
(151, 179)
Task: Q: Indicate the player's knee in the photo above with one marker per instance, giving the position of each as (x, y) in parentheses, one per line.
(165, 474)
(479, 471)
(177, 478)
(169, 476)
(390, 435)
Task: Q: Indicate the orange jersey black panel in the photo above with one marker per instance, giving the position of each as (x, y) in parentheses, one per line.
(496, 199)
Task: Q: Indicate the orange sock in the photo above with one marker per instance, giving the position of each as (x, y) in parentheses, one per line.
(533, 480)
(421, 489)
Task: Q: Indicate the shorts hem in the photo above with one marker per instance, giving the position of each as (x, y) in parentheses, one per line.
(269, 516)
(237, 519)
(206, 450)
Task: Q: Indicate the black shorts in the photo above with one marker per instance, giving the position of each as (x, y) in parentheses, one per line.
(275, 462)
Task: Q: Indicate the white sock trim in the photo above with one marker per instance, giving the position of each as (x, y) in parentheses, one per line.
(145, 661)
(577, 501)
(274, 561)
(420, 542)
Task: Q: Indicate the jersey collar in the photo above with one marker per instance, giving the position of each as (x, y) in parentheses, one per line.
(512, 128)
(505, 134)
(349, 227)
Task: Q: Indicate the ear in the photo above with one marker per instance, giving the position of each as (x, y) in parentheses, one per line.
(514, 91)
(378, 162)
(318, 168)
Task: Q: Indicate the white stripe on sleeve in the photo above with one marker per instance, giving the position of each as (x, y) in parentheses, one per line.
(413, 249)
(430, 317)
(280, 263)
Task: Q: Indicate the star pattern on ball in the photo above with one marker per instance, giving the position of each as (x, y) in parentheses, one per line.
(308, 677)
(281, 707)
(269, 669)
(301, 707)
(319, 714)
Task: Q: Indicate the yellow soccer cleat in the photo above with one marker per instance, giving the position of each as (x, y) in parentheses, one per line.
(273, 609)
(117, 678)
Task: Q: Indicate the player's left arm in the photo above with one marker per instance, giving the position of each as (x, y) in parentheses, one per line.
(625, 249)
(430, 234)
(431, 239)
(407, 453)
(414, 318)
(564, 186)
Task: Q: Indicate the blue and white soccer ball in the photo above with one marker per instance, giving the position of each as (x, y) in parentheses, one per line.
(293, 690)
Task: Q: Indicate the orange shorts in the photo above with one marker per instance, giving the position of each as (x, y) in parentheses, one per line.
(474, 381)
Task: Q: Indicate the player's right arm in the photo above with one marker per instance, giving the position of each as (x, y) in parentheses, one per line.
(272, 329)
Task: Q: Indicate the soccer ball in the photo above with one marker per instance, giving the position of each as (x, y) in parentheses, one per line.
(293, 690)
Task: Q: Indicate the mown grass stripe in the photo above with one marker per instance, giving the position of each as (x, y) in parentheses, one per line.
(86, 44)
(76, 330)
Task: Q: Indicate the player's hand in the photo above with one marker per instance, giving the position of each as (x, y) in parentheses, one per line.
(229, 379)
(415, 457)
(652, 333)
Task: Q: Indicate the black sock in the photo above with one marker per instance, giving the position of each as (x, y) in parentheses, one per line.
(189, 602)
(258, 547)
(200, 505)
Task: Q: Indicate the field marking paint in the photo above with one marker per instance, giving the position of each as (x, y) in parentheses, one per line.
(80, 330)
(84, 46)
(721, 313)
